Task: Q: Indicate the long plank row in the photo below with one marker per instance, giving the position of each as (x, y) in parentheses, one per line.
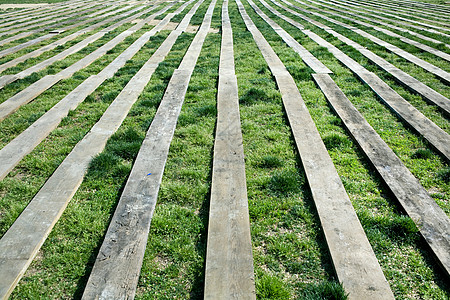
(390, 20)
(21, 242)
(345, 236)
(7, 79)
(49, 18)
(354, 13)
(229, 263)
(22, 32)
(407, 80)
(406, 40)
(50, 33)
(116, 270)
(408, 113)
(438, 72)
(432, 221)
(32, 91)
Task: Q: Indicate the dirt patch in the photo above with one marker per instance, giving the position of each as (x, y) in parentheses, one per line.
(24, 5)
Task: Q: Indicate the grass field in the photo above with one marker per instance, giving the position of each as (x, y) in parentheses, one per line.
(291, 258)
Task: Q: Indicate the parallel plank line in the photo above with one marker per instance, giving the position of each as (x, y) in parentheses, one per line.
(32, 91)
(117, 267)
(229, 261)
(19, 245)
(24, 143)
(354, 260)
(430, 219)
(437, 137)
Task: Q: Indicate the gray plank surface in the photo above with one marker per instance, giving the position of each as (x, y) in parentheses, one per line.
(353, 258)
(23, 240)
(430, 219)
(438, 138)
(407, 80)
(5, 80)
(116, 270)
(229, 260)
(438, 72)
(24, 143)
(32, 91)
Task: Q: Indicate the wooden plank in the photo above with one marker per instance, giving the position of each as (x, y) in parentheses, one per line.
(24, 143)
(229, 261)
(397, 16)
(4, 80)
(406, 40)
(430, 219)
(116, 270)
(40, 19)
(438, 138)
(51, 200)
(353, 258)
(30, 19)
(438, 72)
(406, 24)
(411, 16)
(39, 27)
(312, 62)
(31, 92)
(373, 19)
(39, 39)
(407, 80)
(32, 11)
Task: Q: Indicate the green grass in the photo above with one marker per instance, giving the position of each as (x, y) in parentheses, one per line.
(291, 258)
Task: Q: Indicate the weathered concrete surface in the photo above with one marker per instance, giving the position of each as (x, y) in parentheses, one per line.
(355, 263)
(229, 260)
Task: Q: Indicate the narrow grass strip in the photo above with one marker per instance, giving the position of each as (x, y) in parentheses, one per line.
(430, 219)
(413, 12)
(33, 11)
(406, 24)
(378, 9)
(22, 241)
(407, 80)
(116, 270)
(62, 14)
(353, 258)
(406, 40)
(229, 260)
(409, 20)
(28, 94)
(7, 79)
(437, 137)
(25, 142)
